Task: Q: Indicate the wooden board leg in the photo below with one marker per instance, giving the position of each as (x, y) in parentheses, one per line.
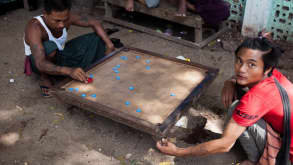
(108, 9)
(198, 32)
(25, 4)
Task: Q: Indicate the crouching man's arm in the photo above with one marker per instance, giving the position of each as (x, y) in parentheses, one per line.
(224, 144)
(33, 38)
(86, 21)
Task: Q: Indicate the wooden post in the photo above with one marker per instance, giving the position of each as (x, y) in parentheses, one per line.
(198, 30)
(108, 9)
(256, 17)
(25, 4)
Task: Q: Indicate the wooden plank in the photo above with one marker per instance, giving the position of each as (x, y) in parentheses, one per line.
(161, 35)
(152, 32)
(213, 37)
(164, 11)
(107, 112)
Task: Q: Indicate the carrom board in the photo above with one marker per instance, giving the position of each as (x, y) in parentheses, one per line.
(141, 89)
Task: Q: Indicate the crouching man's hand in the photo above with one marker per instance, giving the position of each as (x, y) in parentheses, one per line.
(109, 48)
(78, 74)
(168, 148)
(228, 92)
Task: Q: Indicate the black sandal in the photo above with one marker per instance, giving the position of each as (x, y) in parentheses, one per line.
(45, 94)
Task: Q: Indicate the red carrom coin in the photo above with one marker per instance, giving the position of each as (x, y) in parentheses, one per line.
(89, 80)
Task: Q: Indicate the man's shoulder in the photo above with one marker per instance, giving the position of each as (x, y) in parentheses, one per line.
(34, 28)
(33, 24)
(263, 89)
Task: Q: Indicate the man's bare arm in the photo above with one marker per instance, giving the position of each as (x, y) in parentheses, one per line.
(87, 21)
(34, 39)
(224, 144)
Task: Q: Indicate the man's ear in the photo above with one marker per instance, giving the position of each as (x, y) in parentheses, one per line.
(268, 71)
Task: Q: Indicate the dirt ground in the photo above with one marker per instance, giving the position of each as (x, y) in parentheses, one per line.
(39, 131)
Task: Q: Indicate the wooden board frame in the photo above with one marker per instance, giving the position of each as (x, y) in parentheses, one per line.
(134, 122)
(194, 21)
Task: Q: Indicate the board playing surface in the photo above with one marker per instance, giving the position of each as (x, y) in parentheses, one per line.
(142, 85)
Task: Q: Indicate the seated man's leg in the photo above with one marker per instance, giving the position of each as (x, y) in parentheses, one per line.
(252, 140)
(181, 8)
(183, 5)
(45, 81)
(149, 3)
(82, 51)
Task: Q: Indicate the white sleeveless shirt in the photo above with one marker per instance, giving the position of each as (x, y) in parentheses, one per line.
(60, 42)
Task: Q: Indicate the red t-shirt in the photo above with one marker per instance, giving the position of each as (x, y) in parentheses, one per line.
(264, 101)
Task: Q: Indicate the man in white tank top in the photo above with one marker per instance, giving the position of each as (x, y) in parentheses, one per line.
(47, 53)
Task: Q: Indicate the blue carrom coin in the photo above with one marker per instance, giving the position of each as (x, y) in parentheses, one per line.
(123, 58)
(127, 103)
(131, 88)
(94, 95)
(138, 110)
(117, 78)
(148, 61)
(118, 66)
(76, 89)
(172, 94)
(137, 57)
(116, 71)
(70, 89)
(147, 67)
(91, 76)
(83, 95)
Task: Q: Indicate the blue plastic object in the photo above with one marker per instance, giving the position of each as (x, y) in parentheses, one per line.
(127, 103)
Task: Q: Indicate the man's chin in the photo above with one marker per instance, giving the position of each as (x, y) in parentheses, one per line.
(241, 82)
(58, 30)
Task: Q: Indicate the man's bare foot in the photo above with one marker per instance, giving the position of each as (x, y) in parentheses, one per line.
(45, 85)
(190, 6)
(129, 5)
(247, 162)
(181, 9)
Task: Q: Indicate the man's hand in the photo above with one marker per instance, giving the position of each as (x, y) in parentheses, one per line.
(109, 48)
(228, 92)
(78, 74)
(168, 148)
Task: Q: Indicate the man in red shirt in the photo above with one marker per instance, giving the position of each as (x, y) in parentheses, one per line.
(255, 62)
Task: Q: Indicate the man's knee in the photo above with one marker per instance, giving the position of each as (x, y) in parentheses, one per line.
(92, 37)
(52, 56)
(253, 140)
(230, 111)
(152, 3)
